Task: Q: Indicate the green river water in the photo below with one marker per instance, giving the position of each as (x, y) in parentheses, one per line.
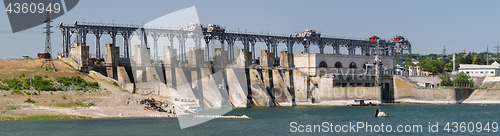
(477, 120)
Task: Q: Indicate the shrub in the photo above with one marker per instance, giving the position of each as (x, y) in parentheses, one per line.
(94, 85)
(30, 100)
(5, 87)
(46, 76)
(17, 91)
(13, 83)
(114, 83)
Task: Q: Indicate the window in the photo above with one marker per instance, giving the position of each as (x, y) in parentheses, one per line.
(352, 65)
(323, 64)
(482, 72)
(338, 64)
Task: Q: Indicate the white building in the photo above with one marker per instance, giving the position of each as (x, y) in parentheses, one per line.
(338, 64)
(480, 70)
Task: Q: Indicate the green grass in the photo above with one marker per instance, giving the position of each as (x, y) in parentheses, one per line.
(9, 108)
(41, 117)
(73, 105)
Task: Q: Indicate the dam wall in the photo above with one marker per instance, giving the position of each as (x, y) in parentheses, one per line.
(406, 93)
(239, 83)
(483, 96)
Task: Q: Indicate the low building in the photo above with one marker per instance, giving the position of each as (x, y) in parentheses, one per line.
(480, 70)
(331, 64)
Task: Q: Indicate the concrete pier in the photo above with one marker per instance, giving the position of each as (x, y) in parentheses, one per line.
(266, 63)
(111, 58)
(80, 54)
(170, 62)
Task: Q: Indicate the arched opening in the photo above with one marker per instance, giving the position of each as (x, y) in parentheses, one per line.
(338, 64)
(352, 65)
(323, 64)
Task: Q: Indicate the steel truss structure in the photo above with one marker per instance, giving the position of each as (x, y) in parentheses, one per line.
(228, 38)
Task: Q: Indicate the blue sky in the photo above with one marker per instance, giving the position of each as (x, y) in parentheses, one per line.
(460, 25)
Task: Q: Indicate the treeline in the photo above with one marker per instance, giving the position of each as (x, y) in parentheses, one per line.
(438, 64)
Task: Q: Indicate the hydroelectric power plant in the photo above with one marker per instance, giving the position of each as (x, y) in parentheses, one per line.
(223, 76)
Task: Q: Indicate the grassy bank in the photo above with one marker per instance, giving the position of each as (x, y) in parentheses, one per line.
(40, 117)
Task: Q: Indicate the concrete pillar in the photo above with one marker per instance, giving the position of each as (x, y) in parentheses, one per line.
(80, 53)
(266, 59)
(111, 58)
(170, 62)
(219, 67)
(266, 62)
(286, 61)
(244, 58)
(195, 57)
(220, 57)
(141, 56)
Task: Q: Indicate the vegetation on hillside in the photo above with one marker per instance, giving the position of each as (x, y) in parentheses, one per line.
(45, 84)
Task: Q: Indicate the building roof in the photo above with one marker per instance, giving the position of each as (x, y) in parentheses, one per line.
(494, 65)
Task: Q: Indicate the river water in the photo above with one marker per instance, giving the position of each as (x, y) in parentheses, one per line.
(404, 119)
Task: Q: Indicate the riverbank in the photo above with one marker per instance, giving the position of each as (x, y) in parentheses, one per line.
(40, 117)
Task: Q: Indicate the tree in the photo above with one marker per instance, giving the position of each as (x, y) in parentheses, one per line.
(445, 80)
(462, 80)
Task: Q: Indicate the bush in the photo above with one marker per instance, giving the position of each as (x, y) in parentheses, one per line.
(5, 87)
(94, 85)
(17, 91)
(30, 100)
(13, 83)
(77, 81)
(114, 83)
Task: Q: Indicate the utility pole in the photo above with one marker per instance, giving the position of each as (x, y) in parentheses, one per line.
(497, 49)
(444, 52)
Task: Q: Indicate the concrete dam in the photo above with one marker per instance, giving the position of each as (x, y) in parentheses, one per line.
(225, 83)
(220, 77)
